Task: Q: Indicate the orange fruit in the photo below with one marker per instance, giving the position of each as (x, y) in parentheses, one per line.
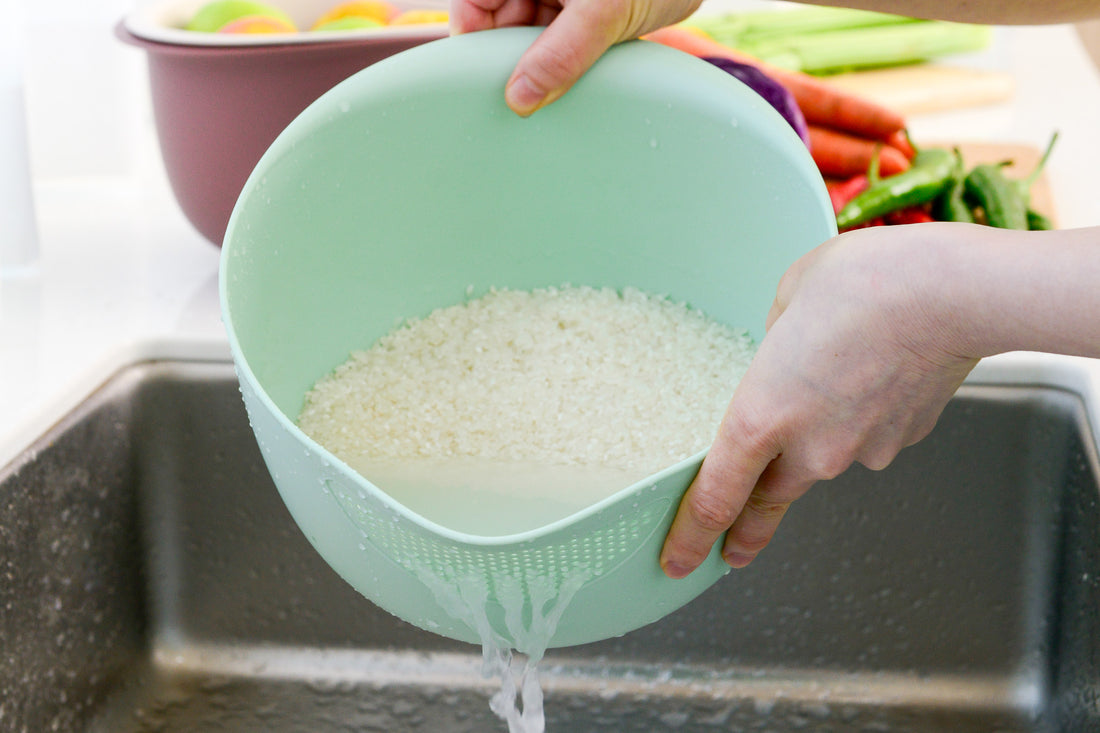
(257, 24)
(378, 10)
(217, 13)
(413, 17)
(350, 23)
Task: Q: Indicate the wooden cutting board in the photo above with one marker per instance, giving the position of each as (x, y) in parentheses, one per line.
(1023, 157)
(924, 88)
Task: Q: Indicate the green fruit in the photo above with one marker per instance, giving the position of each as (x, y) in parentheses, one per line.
(212, 16)
(349, 23)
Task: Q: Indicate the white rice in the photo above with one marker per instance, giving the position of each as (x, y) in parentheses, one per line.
(571, 376)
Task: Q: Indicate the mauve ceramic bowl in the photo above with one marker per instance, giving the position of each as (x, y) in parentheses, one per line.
(220, 100)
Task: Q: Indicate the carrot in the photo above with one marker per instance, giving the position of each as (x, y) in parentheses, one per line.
(821, 103)
(839, 154)
(900, 140)
(692, 41)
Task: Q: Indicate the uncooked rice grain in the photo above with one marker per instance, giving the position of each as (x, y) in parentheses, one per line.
(561, 376)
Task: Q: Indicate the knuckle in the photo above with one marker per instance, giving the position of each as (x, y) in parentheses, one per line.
(879, 454)
(757, 524)
(749, 543)
(829, 458)
(750, 429)
(710, 511)
(550, 67)
(686, 552)
(828, 464)
(771, 510)
(877, 460)
(552, 64)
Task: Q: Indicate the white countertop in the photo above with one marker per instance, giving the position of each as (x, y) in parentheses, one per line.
(121, 276)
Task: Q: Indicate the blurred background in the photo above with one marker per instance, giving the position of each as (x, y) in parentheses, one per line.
(86, 100)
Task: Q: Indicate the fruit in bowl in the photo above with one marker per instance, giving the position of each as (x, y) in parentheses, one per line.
(222, 94)
(257, 24)
(218, 15)
(420, 15)
(377, 10)
(250, 16)
(352, 22)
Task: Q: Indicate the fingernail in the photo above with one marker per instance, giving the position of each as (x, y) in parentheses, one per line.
(737, 559)
(523, 96)
(675, 570)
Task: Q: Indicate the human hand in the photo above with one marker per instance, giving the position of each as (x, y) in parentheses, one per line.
(576, 35)
(861, 355)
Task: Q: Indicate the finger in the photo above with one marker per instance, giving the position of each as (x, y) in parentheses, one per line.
(468, 16)
(773, 314)
(567, 48)
(784, 291)
(545, 13)
(715, 498)
(759, 518)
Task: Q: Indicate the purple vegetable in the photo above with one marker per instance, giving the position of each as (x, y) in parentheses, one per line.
(772, 91)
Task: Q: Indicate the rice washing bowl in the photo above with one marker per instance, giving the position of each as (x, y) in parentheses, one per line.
(517, 408)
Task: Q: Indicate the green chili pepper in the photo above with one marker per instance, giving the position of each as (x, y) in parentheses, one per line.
(931, 172)
(951, 205)
(1037, 221)
(1004, 201)
(998, 197)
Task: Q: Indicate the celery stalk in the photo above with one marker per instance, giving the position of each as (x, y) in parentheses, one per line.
(752, 26)
(818, 53)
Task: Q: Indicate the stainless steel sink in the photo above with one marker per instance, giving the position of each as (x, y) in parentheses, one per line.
(151, 580)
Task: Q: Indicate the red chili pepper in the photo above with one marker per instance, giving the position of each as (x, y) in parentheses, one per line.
(878, 221)
(841, 192)
(909, 215)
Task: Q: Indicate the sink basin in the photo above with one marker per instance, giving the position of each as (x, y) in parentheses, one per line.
(151, 580)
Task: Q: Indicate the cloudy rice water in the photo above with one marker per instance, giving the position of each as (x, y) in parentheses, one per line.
(518, 408)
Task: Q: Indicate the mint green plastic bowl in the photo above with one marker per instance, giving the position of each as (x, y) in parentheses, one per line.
(411, 182)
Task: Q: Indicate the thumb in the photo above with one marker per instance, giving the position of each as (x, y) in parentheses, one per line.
(561, 54)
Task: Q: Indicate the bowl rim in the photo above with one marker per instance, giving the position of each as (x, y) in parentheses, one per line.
(162, 22)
